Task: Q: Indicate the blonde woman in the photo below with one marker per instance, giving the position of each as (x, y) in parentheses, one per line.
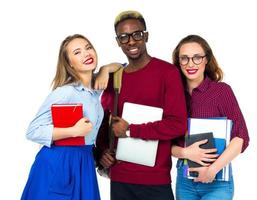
(67, 172)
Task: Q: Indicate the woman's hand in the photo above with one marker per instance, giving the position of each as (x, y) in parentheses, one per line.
(205, 174)
(82, 127)
(201, 156)
(102, 79)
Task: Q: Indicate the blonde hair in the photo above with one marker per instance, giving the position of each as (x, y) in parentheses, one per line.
(129, 14)
(65, 74)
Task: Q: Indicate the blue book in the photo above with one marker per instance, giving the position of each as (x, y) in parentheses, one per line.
(221, 129)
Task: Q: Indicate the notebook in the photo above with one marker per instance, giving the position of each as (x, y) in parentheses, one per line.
(136, 150)
(191, 139)
(64, 116)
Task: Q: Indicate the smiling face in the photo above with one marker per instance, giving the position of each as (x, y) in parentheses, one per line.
(194, 69)
(82, 56)
(133, 49)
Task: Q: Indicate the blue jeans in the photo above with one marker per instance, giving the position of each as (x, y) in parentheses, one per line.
(187, 189)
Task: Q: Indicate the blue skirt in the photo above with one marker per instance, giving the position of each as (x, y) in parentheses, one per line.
(62, 173)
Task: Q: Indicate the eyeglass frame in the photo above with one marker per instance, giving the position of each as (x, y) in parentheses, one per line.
(131, 35)
(192, 58)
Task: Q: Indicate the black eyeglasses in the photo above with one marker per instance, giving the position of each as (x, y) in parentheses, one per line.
(137, 36)
(197, 59)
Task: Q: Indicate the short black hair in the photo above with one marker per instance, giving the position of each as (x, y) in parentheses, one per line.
(129, 14)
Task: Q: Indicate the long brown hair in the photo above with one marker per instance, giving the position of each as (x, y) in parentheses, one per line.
(212, 69)
(65, 74)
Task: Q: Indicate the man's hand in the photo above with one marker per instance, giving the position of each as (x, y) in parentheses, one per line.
(107, 159)
(119, 127)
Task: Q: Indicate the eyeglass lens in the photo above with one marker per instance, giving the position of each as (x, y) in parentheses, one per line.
(184, 60)
(137, 35)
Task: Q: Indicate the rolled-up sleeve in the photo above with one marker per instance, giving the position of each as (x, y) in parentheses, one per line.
(231, 109)
(40, 129)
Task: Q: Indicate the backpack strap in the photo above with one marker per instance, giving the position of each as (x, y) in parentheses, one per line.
(117, 79)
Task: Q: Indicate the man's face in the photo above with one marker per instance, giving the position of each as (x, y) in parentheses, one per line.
(134, 46)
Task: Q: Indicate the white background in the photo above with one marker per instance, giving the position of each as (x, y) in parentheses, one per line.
(30, 35)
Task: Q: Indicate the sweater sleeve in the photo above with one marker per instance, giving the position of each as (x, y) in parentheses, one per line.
(174, 119)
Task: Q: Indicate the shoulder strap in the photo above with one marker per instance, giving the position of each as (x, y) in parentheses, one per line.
(117, 79)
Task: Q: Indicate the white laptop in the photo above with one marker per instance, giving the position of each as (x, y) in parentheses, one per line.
(133, 149)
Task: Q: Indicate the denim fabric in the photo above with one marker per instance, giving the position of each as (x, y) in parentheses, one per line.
(41, 128)
(187, 189)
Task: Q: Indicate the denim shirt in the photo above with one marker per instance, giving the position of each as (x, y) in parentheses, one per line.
(40, 129)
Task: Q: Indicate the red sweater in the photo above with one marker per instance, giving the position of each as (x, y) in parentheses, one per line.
(157, 84)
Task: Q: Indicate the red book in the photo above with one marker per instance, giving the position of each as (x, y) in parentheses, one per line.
(64, 116)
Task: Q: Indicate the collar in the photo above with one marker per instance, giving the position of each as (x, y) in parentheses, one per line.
(80, 87)
(205, 84)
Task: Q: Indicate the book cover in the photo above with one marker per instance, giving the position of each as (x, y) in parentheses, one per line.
(190, 139)
(64, 116)
(221, 129)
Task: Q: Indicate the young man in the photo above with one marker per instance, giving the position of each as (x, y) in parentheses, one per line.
(148, 81)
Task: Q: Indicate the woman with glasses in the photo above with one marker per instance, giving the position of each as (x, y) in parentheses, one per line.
(206, 97)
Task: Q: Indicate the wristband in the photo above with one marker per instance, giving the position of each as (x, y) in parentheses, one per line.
(128, 133)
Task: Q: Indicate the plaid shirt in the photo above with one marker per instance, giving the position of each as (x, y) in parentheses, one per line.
(216, 99)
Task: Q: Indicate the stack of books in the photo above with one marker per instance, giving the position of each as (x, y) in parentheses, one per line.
(218, 132)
